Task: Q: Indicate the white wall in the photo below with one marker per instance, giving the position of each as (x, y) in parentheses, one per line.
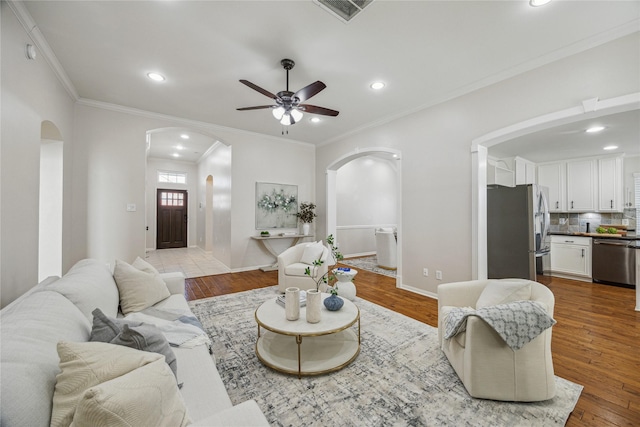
(153, 166)
(31, 94)
(366, 199)
(216, 164)
(435, 145)
(631, 165)
(50, 221)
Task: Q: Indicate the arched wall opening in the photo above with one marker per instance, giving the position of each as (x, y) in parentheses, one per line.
(590, 108)
(51, 207)
(208, 227)
(332, 207)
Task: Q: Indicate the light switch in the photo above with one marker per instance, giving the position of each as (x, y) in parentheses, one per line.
(131, 207)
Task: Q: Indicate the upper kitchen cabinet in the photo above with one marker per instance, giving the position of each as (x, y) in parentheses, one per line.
(525, 171)
(581, 185)
(552, 176)
(610, 178)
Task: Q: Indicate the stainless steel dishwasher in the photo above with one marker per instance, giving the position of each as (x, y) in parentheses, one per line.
(614, 261)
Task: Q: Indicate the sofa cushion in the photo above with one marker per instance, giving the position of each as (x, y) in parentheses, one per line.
(89, 285)
(146, 396)
(138, 289)
(132, 334)
(311, 253)
(296, 269)
(30, 331)
(504, 291)
(88, 364)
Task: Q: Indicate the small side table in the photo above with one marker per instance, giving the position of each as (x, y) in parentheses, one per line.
(346, 287)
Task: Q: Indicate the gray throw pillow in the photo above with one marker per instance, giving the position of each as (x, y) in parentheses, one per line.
(141, 336)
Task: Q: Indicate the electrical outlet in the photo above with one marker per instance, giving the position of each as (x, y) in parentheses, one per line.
(425, 272)
(438, 275)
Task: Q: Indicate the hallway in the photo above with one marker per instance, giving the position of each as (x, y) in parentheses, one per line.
(193, 262)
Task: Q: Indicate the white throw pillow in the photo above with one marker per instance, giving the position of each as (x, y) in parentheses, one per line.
(504, 291)
(146, 396)
(311, 253)
(138, 289)
(86, 364)
(143, 265)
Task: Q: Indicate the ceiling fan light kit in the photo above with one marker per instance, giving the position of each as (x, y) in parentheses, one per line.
(288, 108)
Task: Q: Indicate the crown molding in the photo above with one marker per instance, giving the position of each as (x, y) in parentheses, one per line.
(34, 33)
(624, 30)
(194, 124)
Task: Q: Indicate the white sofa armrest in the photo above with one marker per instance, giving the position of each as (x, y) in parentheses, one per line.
(174, 282)
(246, 414)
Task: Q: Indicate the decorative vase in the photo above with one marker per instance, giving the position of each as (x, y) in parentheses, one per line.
(333, 303)
(305, 228)
(292, 303)
(313, 305)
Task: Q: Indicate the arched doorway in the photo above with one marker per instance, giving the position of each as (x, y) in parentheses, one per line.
(50, 202)
(590, 108)
(331, 185)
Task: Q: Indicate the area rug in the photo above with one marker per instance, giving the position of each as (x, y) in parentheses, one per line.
(400, 377)
(369, 263)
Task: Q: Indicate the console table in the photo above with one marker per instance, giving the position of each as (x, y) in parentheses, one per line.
(265, 240)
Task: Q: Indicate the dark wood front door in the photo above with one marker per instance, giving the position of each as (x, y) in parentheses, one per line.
(172, 219)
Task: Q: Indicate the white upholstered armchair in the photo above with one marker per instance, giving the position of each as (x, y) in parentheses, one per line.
(486, 365)
(293, 262)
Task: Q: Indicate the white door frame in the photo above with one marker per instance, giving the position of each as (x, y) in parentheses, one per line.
(332, 209)
(590, 108)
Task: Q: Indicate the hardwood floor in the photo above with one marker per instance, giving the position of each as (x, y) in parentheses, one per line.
(596, 342)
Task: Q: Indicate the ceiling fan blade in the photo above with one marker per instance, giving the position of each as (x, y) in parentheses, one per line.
(259, 89)
(257, 107)
(318, 110)
(309, 91)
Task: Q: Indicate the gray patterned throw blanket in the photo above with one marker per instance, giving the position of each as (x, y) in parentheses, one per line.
(180, 328)
(516, 322)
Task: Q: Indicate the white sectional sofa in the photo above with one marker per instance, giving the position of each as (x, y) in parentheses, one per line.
(59, 309)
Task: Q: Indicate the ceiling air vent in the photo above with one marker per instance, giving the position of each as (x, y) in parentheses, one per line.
(345, 10)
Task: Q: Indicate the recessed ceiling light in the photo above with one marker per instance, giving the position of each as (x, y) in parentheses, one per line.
(184, 136)
(536, 3)
(594, 129)
(377, 85)
(156, 77)
(610, 147)
(179, 147)
(176, 155)
(315, 119)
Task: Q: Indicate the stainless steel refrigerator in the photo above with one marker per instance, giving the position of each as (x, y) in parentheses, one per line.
(517, 231)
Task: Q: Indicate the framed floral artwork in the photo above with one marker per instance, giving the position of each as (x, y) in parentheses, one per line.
(276, 205)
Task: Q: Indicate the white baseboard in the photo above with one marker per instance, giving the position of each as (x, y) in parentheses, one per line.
(419, 291)
(255, 267)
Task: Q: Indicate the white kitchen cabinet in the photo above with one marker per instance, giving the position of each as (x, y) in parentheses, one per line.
(525, 171)
(552, 176)
(571, 257)
(581, 185)
(497, 174)
(610, 178)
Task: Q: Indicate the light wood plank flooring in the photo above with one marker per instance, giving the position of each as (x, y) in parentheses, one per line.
(596, 341)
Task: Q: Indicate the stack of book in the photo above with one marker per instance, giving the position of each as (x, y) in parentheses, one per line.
(303, 299)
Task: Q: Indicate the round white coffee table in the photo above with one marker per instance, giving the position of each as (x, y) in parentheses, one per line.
(301, 348)
(346, 287)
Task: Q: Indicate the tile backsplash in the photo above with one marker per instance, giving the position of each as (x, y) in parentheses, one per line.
(577, 222)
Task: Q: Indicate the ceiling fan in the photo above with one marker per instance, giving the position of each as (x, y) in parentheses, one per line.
(289, 106)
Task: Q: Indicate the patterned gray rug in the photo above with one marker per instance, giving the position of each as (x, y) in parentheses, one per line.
(400, 378)
(369, 263)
